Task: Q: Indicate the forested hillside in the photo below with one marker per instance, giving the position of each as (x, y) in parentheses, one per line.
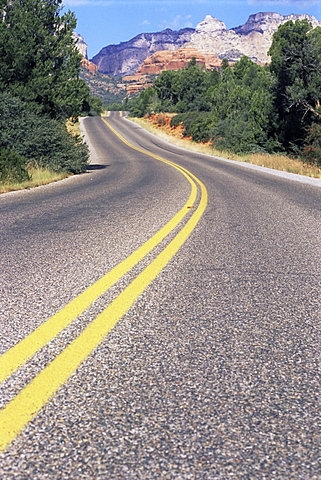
(247, 107)
(39, 89)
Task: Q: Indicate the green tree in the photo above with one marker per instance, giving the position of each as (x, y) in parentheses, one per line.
(296, 63)
(94, 106)
(167, 87)
(184, 90)
(144, 103)
(243, 102)
(193, 84)
(39, 62)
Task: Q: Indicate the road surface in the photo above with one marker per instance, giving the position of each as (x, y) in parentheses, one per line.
(160, 319)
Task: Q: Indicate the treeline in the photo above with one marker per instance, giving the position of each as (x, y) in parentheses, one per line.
(39, 89)
(246, 107)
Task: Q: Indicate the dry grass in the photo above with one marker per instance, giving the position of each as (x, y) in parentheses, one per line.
(38, 176)
(73, 127)
(277, 162)
(42, 176)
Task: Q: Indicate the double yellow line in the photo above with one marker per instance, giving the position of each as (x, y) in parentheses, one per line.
(29, 401)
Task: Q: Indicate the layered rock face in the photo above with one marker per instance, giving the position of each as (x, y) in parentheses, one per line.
(90, 66)
(127, 57)
(136, 83)
(163, 60)
(252, 39)
(80, 44)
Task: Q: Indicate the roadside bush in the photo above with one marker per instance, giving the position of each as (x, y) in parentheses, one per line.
(12, 166)
(114, 107)
(311, 152)
(196, 125)
(42, 141)
(143, 104)
(200, 127)
(93, 107)
(176, 120)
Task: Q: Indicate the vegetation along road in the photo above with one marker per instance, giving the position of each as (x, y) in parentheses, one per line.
(160, 319)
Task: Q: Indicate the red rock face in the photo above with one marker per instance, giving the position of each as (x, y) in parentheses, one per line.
(136, 83)
(89, 66)
(164, 60)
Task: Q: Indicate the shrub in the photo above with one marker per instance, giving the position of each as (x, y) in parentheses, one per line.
(161, 122)
(196, 125)
(311, 152)
(93, 107)
(41, 140)
(12, 166)
(176, 120)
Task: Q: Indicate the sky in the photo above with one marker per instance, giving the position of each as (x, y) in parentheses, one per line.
(105, 22)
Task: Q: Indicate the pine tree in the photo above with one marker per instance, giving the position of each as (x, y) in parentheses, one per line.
(39, 62)
(296, 63)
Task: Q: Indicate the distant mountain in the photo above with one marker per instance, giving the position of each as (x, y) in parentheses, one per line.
(252, 39)
(125, 58)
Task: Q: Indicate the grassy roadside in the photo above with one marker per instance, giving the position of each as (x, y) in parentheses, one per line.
(41, 176)
(277, 162)
(38, 176)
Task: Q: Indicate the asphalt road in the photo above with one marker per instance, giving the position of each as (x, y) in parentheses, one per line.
(214, 371)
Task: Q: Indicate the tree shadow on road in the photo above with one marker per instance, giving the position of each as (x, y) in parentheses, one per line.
(93, 167)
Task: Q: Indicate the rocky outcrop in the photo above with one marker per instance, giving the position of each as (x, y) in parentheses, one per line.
(270, 22)
(80, 44)
(164, 60)
(252, 39)
(89, 66)
(125, 58)
(136, 83)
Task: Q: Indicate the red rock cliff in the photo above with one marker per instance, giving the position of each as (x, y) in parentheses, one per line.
(164, 60)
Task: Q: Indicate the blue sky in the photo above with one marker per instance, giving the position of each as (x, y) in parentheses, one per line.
(103, 22)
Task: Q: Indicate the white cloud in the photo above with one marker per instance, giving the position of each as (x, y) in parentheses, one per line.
(178, 22)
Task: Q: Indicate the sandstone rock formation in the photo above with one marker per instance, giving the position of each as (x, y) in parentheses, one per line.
(125, 58)
(164, 60)
(136, 83)
(89, 66)
(252, 39)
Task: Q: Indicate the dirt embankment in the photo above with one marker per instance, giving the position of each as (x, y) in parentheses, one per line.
(162, 122)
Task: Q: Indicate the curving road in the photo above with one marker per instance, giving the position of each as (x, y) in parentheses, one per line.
(212, 371)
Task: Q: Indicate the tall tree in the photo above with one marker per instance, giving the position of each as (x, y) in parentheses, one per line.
(39, 62)
(296, 63)
(243, 102)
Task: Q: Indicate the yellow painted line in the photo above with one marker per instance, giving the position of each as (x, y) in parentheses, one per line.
(26, 348)
(20, 411)
(25, 406)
